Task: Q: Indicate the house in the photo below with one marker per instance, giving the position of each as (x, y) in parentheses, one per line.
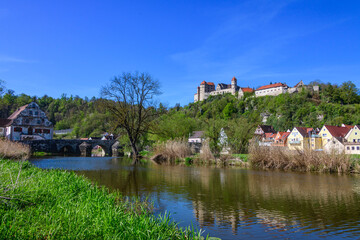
(262, 129)
(196, 137)
(28, 122)
(207, 89)
(280, 139)
(271, 90)
(334, 145)
(352, 140)
(327, 133)
(299, 138)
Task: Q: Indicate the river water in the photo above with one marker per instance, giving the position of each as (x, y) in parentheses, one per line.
(233, 203)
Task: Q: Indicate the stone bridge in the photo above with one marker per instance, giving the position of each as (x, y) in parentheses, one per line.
(73, 147)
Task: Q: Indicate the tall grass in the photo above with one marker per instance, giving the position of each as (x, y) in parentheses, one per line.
(170, 151)
(14, 150)
(205, 153)
(56, 204)
(307, 160)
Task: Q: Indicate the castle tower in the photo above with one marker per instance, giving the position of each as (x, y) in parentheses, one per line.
(233, 85)
(202, 91)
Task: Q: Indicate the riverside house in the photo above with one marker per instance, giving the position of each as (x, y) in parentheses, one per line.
(299, 138)
(28, 122)
(352, 143)
(328, 133)
(280, 139)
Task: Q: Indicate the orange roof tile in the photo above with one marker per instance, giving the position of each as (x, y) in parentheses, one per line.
(207, 83)
(247, 89)
(272, 86)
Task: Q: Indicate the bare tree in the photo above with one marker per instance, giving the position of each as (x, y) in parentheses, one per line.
(130, 99)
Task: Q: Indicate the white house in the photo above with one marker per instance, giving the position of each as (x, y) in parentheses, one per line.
(28, 122)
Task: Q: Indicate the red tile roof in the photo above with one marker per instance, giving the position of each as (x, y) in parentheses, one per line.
(208, 83)
(282, 135)
(270, 135)
(272, 86)
(336, 131)
(234, 78)
(247, 89)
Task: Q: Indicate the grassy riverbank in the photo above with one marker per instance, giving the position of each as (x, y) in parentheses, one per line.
(54, 204)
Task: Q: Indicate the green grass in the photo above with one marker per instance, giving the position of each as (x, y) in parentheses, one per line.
(40, 154)
(243, 157)
(56, 204)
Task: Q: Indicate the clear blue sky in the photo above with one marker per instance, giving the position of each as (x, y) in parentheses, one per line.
(75, 47)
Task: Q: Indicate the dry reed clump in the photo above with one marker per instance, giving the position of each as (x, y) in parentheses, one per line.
(14, 150)
(205, 153)
(307, 160)
(171, 150)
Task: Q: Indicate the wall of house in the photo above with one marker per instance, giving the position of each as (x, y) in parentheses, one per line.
(354, 135)
(195, 140)
(352, 148)
(316, 143)
(270, 91)
(295, 140)
(325, 135)
(334, 146)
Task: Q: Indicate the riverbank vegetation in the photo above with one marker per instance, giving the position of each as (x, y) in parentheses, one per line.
(270, 158)
(13, 150)
(55, 204)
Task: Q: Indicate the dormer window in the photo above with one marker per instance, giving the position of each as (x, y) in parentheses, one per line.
(36, 113)
(30, 112)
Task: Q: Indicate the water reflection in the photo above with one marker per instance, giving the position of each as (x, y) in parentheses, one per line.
(246, 203)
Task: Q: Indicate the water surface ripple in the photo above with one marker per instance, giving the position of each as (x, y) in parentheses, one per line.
(234, 203)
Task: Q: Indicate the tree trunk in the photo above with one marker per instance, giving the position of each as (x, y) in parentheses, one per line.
(135, 154)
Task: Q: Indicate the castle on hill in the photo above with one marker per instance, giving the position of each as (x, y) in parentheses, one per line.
(207, 89)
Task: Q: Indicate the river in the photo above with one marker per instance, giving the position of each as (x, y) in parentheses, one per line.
(233, 203)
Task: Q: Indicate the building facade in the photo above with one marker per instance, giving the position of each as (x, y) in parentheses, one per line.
(207, 89)
(28, 122)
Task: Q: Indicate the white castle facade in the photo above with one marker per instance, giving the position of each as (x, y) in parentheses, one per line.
(207, 89)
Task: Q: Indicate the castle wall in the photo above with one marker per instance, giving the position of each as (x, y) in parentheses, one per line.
(270, 91)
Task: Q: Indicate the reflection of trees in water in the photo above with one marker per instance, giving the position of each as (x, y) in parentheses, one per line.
(237, 197)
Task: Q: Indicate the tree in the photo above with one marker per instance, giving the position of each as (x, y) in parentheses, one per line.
(213, 134)
(239, 132)
(130, 99)
(2, 87)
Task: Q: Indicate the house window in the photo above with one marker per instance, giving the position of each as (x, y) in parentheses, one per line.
(30, 112)
(38, 121)
(348, 148)
(38, 130)
(17, 129)
(357, 148)
(328, 140)
(324, 134)
(352, 148)
(354, 140)
(355, 133)
(46, 131)
(358, 140)
(36, 113)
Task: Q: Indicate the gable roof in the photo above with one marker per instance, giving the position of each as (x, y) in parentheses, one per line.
(4, 122)
(267, 128)
(282, 135)
(304, 131)
(224, 85)
(336, 131)
(272, 86)
(270, 135)
(207, 83)
(247, 89)
(197, 134)
(17, 112)
(301, 83)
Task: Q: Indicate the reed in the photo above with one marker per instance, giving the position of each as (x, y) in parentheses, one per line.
(14, 150)
(170, 151)
(305, 161)
(205, 153)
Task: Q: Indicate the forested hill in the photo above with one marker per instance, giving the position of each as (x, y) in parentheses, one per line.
(334, 105)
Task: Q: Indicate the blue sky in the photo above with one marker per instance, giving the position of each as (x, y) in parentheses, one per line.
(75, 47)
